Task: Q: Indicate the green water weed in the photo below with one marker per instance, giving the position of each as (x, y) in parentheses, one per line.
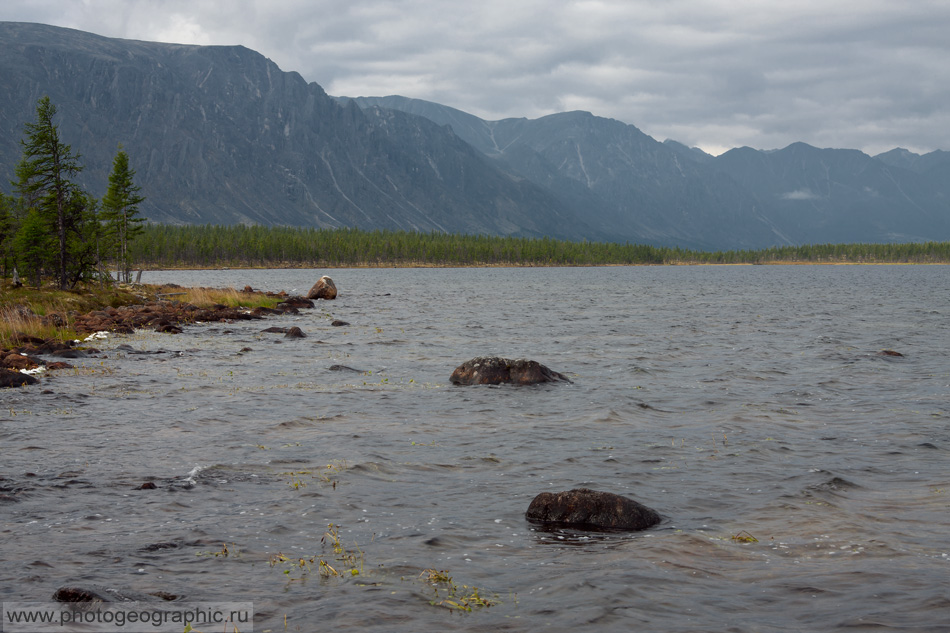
(452, 595)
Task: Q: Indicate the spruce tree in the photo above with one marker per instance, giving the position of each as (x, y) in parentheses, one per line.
(44, 181)
(120, 212)
(7, 232)
(33, 244)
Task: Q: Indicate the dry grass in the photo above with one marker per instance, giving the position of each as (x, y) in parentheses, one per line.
(16, 320)
(207, 297)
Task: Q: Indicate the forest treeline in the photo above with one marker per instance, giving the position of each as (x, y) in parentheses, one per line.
(209, 246)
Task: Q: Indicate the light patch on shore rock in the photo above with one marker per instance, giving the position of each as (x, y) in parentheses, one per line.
(323, 289)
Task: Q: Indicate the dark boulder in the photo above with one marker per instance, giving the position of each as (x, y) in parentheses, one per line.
(295, 302)
(344, 368)
(323, 289)
(262, 311)
(339, 323)
(295, 332)
(10, 378)
(492, 370)
(26, 339)
(13, 360)
(99, 593)
(590, 510)
(70, 353)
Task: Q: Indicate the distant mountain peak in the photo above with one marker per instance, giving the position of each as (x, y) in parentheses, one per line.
(221, 135)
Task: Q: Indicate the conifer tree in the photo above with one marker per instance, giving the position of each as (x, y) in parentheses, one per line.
(44, 181)
(33, 244)
(7, 232)
(120, 212)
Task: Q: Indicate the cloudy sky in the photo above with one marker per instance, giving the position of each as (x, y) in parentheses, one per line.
(864, 74)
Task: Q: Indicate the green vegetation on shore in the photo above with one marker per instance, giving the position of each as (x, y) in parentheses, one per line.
(209, 246)
(50, 313)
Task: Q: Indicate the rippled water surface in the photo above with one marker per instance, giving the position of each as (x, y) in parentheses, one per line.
(749, 401)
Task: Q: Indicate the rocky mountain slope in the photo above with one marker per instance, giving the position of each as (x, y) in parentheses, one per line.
(671, 193)
(220, 134)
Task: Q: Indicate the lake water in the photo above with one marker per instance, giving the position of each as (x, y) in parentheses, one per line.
(750, 402)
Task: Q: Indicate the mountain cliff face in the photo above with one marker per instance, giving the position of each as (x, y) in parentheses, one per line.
(673, 194)
(632, 187)
(222, 135)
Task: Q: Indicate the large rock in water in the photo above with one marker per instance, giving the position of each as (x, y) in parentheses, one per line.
(590, 510)
(492, 370)
(11, 378)
(323, 289)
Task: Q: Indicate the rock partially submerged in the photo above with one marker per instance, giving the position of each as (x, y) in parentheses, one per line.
(98, 593)
(11, 378)
(492, 370)
(590, 510)
(323, 289)
(295, 302)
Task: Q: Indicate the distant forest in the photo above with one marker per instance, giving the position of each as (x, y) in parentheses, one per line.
(209, 246)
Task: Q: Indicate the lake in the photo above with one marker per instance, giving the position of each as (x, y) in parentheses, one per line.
(801, 473)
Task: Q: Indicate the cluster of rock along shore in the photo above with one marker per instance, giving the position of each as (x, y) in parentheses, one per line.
(162, 315)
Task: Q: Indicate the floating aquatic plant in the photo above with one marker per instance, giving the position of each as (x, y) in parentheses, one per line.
(346, 561)
(454, 596)
(744, 537)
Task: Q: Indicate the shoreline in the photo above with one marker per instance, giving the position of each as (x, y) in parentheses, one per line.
(511, 265)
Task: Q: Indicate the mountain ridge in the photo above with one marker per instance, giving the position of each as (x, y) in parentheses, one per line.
(222, 135)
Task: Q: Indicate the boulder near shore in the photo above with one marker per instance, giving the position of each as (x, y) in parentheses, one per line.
(492, 370)
(590, 510)
(323, 289)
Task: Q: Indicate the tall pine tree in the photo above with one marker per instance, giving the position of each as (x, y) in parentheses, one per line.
(44, 181)
(120, 213)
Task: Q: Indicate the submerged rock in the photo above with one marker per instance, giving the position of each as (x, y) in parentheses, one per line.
(492, 370)
(99, 593)
(295, 332)
(345, 368)
(323, 289)
(590, 509)
(294, 302)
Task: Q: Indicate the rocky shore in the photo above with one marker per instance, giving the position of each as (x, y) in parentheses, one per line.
(30, 354)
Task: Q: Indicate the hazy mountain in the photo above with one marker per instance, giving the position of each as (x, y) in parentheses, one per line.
(219, 134)
(222, 135)
(630, 185)
(900, 157)
(835, 195)
(671, 193)
(692, 153)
